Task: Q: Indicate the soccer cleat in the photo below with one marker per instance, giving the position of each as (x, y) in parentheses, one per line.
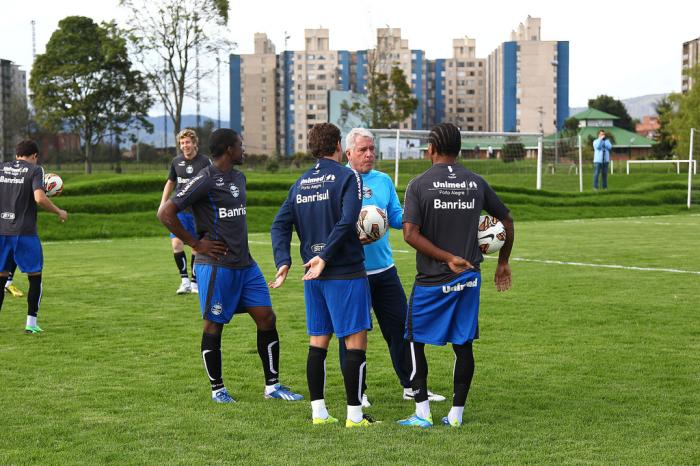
(318, 421)
(365, 401)
(13, 290)
(284, 393)
(222, 396)
(194, 288)
(416, 421)
(32, 329)
(446, 422)
(431, 396)
(184, 289)
(366, 421)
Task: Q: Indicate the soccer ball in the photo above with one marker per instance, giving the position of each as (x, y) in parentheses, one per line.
(53, 184)
(491, 235)
(372, 222)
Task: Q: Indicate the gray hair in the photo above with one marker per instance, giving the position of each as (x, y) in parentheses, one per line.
(353, 134)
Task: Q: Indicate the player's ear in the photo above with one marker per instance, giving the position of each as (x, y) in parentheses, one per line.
(431, 149)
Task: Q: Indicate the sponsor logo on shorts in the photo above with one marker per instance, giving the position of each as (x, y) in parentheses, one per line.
(460, 286)
(453, 205)
(217, 309)
(7, 215)
(318, 247)
(234, 190)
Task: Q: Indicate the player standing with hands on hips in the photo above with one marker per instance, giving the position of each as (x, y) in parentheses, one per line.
(21, 190)
(441, 220)
(231, 282)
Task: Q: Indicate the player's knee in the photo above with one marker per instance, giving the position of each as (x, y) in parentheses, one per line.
(266, 320)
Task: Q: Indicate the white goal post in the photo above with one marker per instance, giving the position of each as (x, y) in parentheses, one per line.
(677, 162)
(398, 134)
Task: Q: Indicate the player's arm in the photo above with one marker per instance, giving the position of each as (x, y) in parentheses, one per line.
(413, 236)
(494, 206)
(394, 211)
(167, 190)
(281, 234)
(343, 230)
(45, 203)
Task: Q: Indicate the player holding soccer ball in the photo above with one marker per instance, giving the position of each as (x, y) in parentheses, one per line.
(441, 220)
(231, 280)
(182, 169)
(21, 189)
(388, 297)
(323, 206)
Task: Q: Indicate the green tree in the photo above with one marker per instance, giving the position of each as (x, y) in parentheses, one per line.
(169, 37)
(84, 83)
(570, 126)
(666, 140)
(389, 99)
(687, 116)
(610, 105)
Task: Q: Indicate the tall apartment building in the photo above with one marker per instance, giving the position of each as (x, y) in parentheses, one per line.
(522, 86)
(13, 103)
(464, 84)
(528, 82)
(691, 58)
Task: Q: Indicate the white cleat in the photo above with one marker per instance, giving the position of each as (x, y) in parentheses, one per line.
(184, 289)
(408, 395)
(194, 288)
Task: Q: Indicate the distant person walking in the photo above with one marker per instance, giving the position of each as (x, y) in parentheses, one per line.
(601, 159)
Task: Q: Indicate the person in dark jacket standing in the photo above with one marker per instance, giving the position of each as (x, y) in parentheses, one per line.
(323, 206)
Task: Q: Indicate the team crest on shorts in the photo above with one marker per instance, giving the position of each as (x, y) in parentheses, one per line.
(234, 190)
(217, 309)
(366, 192)
(189, 169)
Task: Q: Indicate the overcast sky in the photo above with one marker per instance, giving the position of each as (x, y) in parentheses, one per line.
(620, 48)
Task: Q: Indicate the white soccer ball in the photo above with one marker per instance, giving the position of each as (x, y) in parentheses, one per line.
(53, 184)
(372, 222)
(491, 235)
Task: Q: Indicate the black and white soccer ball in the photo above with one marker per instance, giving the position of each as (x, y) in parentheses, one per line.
(53, 184)
(491, 234)
(372, 222)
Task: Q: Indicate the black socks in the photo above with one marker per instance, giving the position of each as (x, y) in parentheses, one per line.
(211, 354)
(269, 351)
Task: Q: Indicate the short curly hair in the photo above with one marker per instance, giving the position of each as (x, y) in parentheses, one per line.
(26, 148)
(446, 139)
(323, 139)
(188, 133)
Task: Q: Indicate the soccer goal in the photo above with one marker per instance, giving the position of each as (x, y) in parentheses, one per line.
(404, 153)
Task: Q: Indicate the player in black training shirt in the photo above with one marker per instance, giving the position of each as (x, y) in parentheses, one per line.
(440, 220)
(183, 168)
(21, 189)
(231, 282)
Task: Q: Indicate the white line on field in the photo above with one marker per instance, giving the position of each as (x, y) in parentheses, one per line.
(604, 266)
(77, 242)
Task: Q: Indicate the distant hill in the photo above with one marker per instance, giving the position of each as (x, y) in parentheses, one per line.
(637, 107)
(156, 138)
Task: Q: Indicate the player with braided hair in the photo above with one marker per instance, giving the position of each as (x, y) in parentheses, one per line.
(441, 217)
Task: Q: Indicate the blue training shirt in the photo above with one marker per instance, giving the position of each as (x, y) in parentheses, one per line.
(323, 206)
(378, 189)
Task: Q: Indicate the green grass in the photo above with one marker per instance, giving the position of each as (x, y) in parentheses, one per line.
(576, 364)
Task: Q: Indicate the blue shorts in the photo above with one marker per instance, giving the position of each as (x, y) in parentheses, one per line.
(187, 220)
(446, 313)
(337, 306)
(26, 250)
(224, 292)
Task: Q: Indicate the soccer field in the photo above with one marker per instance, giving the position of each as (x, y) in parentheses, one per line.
(592, 357)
